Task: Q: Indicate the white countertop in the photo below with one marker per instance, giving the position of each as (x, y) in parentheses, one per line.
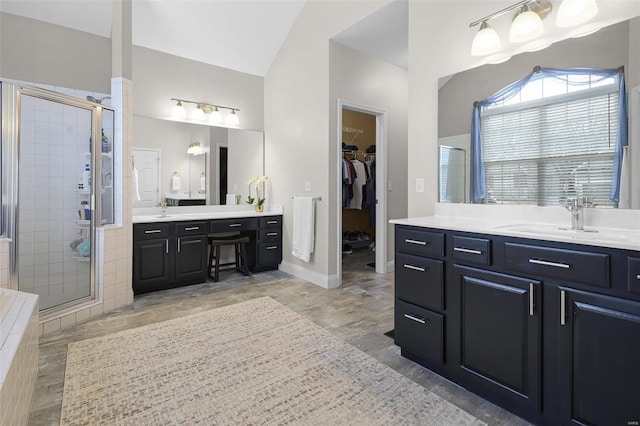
(524, 222)
(176, 214)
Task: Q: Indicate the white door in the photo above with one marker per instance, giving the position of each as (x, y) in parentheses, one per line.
(147, 163)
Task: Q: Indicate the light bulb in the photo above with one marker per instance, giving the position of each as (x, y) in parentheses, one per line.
(486, 41)
(215, 115)
(179, 111)
(232, 118)
(526, 26)
(575, 12)
(198, 114)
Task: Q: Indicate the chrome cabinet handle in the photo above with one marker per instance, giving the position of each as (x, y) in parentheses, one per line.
(192, 228)
(415, 268)
(178, 245)
(638, 277)
(545, 263)
(420, 243)
(235, 225)
(272, 234)
(167, 246)
(531, 299)
(153, 231)
(272, 222)
(416, 319)
(272, 247)
(562, 308)
(466, 250)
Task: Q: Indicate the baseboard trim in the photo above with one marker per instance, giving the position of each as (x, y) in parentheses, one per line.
(391, 266)
(321, 280)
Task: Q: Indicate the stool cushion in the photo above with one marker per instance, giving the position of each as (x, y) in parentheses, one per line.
(232, 239)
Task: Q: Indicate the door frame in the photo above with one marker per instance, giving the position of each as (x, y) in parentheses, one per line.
(381, 179)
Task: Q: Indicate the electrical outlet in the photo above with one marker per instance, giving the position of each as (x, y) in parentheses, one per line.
(389, 186)
(307, 187)
(419, 185)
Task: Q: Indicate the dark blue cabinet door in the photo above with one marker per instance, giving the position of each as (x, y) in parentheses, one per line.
(496, 342)
(599, 359)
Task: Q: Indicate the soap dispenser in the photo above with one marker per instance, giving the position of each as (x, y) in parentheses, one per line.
(86, 177)
(105, 143)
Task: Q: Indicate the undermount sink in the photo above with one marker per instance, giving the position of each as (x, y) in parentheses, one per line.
(589, 233)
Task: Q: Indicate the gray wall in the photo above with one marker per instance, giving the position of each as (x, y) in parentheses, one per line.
(39, 52)
(158, 77)
(608, 48)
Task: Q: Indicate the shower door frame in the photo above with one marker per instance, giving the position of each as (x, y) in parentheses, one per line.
(12, 93)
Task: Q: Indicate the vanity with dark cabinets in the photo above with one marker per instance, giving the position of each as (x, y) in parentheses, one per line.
(174, 254)
(548, 330)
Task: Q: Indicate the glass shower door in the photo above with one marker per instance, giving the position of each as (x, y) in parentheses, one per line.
(54, 214)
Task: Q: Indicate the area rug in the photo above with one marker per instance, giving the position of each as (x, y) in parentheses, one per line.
(253, 363)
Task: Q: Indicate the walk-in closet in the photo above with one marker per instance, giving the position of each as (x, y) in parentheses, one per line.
(358, 190)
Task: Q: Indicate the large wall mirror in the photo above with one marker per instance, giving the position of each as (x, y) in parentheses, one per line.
(608, 48)
(193, 163)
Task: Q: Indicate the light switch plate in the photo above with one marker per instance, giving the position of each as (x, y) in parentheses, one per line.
(419, 185)
(389, 186)
(307, 187)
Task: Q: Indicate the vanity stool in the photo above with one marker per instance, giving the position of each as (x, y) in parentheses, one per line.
(239, 242)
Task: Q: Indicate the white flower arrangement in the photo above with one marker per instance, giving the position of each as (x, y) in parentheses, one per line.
(258, 181)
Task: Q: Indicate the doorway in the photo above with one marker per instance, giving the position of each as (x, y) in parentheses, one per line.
(146, 177)
(362, 226)
(57, 174)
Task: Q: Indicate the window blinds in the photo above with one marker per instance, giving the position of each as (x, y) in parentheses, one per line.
(550, 153)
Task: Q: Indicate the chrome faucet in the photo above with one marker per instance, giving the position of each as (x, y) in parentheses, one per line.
(164, 209)
(576, 207)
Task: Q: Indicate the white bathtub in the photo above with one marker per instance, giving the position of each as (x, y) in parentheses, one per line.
(18, 355)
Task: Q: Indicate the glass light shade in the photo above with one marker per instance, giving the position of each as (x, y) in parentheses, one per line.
(198, 114)
(575, 12)
(179, 111)
(486, 41)
(215, 116)
(195, 149)
(525, 27)
(232, 118)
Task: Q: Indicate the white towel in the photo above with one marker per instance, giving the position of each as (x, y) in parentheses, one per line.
(136, 185)
(624, 180)
(303, 228)
(175, 182)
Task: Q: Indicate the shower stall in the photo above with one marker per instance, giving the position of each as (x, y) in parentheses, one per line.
(57, 188)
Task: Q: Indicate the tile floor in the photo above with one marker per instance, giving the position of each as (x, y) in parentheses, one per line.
(360, 312)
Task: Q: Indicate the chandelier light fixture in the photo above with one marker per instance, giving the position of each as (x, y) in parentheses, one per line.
(206, 112)
(527, 23)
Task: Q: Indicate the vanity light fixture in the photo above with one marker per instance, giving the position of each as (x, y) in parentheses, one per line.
(527, 25)
(195, 149)
(575, 12)
(205, 111)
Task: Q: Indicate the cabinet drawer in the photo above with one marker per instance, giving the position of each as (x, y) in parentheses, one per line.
(274, 234)
(567, 265)
(633, 274)
(420, 280)
(419, 332)
(226, 225)
(271, 222)
(269, 253)
(476, 250)
(151, 231)
(419, 242)
(185, 229)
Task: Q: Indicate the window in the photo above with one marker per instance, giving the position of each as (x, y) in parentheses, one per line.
(551, 142)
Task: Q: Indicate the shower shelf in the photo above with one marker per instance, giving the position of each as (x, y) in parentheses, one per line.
(82, 258)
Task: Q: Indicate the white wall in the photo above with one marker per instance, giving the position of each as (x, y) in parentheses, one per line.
(245, 161)
(439, 45)
(297, 129)
(365, 80)
(158, 77)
